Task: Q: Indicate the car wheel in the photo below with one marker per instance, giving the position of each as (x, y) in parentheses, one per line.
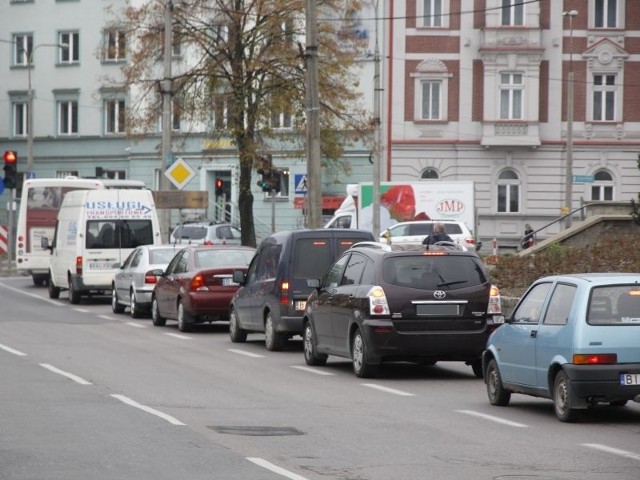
(74, 295)
(237, 334)
(562, 398)
(361, 366)
(273, 340)
(134, 308)
(311, 356)
(115, 304)
(39, 280)
(156, 318)
(54, 292)
(476, 366)
(184, 319)
(497, 394)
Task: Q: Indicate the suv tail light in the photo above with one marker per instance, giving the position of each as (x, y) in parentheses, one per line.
(284, 293)
(494, 309)
(470, 240)
(378, 304)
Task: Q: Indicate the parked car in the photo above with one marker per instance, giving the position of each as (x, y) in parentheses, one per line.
(572, 338)
(197, 285)
(414, 232)
(382, 302)
(206, 233)
(274, 291)
(134, 282)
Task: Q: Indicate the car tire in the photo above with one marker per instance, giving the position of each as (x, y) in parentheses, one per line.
(54, 292)
(74, 295)
(134, 308)
(476, 366)
(184, 319)
(116, 307)
(361, 365)
(157, 319)
(39, 280)
(274, 341)
(562, 398)
(237, 334)
(498, 395)
(311, 355)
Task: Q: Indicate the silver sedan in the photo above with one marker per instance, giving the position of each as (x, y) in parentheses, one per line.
(133, 283)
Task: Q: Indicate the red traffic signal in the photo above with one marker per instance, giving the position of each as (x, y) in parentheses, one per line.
(10, 169)
(10, 157)
(219, 187)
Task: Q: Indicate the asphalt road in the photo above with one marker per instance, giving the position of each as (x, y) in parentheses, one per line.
(88, 394)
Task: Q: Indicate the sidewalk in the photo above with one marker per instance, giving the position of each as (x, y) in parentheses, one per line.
(6, 269)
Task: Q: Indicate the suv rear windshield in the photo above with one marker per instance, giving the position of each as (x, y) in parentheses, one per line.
(614, 305)
(191, 232)
(444, 272)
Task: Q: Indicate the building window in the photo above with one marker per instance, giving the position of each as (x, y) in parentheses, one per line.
(605, 13)
(281, 120)
(20, 119)
(114, 116)
(115, 46)
(70, 52)
(66, 173)
(22, 48)
(431, 100)
(512, 13)
(67, 117)
(511, 89)
(432, 13)
(508, 192)
(604, 98)
(602, 188)
(429, 173)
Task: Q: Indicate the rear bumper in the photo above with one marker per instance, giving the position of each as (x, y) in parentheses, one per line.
(602, 383)
(210, 303)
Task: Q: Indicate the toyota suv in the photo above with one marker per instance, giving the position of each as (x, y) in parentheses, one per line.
(381, 302)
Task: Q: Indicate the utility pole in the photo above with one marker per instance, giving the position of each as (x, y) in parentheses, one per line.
(378, 132)
(167, 96)
(314, 181)
(569, 172)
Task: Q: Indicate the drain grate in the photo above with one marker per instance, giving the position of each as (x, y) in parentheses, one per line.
(256, 431)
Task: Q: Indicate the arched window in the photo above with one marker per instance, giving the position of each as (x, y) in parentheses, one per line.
(508, 191)
(602, 188)
(429, 173)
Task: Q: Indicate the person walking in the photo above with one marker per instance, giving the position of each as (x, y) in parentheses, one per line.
(437, 235)
(527, 240)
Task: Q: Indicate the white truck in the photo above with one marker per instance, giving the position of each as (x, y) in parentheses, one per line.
(407, 201)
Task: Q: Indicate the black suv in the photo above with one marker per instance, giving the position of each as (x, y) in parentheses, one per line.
(383, 302)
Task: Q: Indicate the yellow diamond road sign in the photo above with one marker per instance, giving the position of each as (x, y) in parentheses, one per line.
(180, 173)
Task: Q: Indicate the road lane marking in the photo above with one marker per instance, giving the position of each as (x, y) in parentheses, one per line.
(134, 324)
(106, 317)
(70, 376)
(388, 390)
(246, 354)
(81, 310)
(52, 302)
(312, 370)
(177, 335)
(615, 451)
(11, 350)
(275, 469)
(150, 410)
(493, 419)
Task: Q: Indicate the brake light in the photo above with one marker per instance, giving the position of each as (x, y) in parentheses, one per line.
(208, 242)
(149, 277)
(472, 241)
(284, 293)
(197, 282)
(495, 301)
(378, 304)
(78, 265)
(434, 253)
(595, 359)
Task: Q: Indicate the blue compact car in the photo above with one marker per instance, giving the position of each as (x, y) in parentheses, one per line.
(572, 338)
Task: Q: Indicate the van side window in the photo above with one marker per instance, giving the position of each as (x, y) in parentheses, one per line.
(267, 264)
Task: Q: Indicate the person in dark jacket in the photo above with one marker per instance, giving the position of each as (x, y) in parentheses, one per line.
(527, 240)
(437, 235)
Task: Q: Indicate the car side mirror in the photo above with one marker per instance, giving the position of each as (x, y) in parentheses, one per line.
(239, 277)
(158, 272)
(313, 283)
(117, 265)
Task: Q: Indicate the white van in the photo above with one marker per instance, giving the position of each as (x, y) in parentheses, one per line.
(95, 230)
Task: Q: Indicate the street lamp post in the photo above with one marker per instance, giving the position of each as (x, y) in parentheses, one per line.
(30, 102)
(569, 171)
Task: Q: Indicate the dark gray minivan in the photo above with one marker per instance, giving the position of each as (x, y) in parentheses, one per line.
(273, 293)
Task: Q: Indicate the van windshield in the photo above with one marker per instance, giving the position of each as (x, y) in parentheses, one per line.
(118, 233)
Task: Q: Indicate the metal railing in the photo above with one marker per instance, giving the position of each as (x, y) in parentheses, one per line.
(553, 222)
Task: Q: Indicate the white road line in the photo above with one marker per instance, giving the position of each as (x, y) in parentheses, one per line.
(81, 310)
(177, 335)
(70, 376)
(134, 324)
(312, 370)
(275, 469)
(150, 410)
(106, 317)
(11, 350)
(615, 451)
(388, 390)
(52, 302)
(493, 419)
(246, 354)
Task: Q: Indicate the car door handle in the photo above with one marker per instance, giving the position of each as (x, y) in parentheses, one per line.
(533, 334)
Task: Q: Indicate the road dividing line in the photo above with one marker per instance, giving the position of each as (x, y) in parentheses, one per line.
(312, 370)
(11, 350)
(144, 408)
(82, 310)
(70, 376)
(177, 335)
(106, 317)
(276, 469)
(615, 451)
(246, 354)
(388, 390)
(493, 419)
(52, 302)
(134, 324)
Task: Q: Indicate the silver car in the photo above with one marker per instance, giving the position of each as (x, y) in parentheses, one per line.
(133, 284)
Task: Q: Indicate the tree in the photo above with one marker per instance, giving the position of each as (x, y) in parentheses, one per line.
(246, 57)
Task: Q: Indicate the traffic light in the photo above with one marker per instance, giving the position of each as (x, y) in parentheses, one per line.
(10, 169)
(219, 187)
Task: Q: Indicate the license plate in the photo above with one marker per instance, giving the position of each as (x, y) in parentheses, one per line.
(300, 304)
(99, 265)
(228, 282)
(630, 379)
(435, 309)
